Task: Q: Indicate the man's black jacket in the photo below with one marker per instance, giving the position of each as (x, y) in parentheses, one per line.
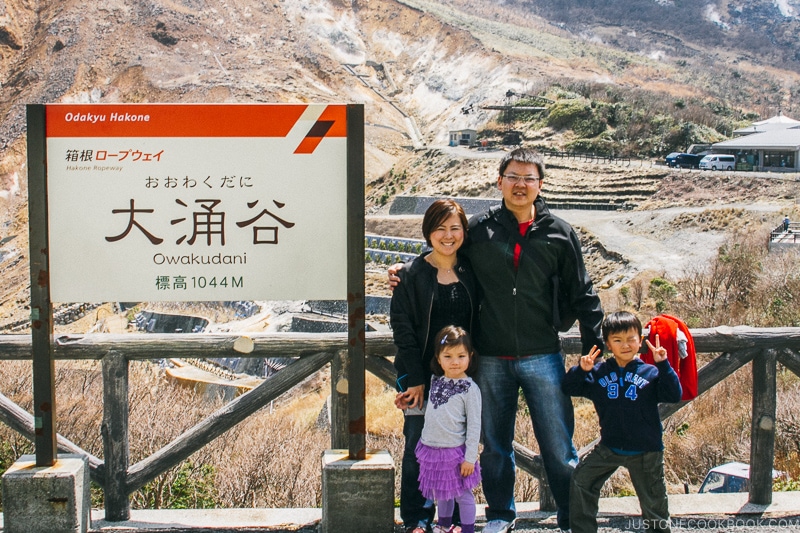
(516, 310)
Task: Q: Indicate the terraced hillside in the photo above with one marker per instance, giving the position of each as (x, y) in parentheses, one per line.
(601, 186)
(568, 184)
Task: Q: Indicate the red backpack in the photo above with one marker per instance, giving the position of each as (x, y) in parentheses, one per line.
(667, 328)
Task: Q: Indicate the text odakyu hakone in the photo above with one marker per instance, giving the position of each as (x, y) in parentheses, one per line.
(114, 117)
(207, 224)
(177, 283)
(131, 155)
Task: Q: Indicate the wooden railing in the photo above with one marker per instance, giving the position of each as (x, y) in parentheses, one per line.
(592, 157)
(737, 346)
(781, 236)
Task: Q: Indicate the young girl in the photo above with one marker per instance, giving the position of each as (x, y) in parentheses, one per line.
(448, 449)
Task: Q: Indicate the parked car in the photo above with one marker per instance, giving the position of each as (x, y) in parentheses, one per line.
(683, 160)
(670, 159)
(688, 160)
(730, 477)
(718, 162)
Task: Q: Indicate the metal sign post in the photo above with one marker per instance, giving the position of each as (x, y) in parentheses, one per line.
(356, 306)
(44, 397)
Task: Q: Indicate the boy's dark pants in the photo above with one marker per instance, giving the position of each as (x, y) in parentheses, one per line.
(647, 474)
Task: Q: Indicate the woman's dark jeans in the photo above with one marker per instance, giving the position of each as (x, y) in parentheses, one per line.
(414, 507)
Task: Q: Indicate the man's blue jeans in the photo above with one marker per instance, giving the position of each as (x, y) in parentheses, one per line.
(539, 377)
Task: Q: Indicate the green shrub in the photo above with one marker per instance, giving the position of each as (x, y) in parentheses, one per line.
(663, 292)
(189, 486)
(563, 115)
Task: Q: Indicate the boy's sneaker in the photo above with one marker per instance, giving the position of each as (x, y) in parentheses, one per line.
(498, 526)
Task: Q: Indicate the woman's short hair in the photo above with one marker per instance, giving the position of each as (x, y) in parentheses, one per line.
(437, 213)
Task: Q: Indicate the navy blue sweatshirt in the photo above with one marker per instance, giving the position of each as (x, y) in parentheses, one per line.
(626, 400)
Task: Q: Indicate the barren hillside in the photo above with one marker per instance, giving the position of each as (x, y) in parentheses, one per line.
(414, 64)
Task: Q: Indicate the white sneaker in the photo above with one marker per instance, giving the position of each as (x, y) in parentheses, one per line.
(498, 526)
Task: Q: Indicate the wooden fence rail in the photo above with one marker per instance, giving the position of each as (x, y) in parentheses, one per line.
(591, 157)
(737, 346)
(791, 235)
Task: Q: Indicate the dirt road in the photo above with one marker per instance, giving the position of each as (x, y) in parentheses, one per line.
(652, 241)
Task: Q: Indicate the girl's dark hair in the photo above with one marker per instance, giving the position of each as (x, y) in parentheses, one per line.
(619, 322)
(437, 213)
(453, 336)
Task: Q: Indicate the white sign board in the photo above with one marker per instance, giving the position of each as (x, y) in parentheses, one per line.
(196, 202)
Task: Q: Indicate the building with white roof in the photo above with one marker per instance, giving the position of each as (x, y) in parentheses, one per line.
(771, 145)
(778, 122)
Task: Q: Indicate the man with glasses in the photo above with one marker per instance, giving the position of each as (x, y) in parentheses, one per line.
(516, 336)
(517, 250)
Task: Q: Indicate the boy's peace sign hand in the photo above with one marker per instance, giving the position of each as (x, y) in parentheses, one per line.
(659, 352)
(587, 361)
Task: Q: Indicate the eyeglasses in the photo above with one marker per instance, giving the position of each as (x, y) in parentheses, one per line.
(528, 180)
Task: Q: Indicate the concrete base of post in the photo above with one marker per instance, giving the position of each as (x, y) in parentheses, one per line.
(357, 495)
(47, 499)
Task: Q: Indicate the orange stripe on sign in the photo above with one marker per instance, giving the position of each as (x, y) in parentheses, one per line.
(331, 123)
(172, 120)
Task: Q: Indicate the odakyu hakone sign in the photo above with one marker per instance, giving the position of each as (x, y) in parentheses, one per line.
(196, 202)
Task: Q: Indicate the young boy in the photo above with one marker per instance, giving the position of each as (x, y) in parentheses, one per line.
(625, 392)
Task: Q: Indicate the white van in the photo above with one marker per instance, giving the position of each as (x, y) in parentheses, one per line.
(718, 162)
(731, 477)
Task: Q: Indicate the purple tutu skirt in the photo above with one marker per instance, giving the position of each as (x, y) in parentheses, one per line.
(440, 472)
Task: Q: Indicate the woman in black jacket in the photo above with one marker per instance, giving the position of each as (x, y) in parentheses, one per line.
(438, 289)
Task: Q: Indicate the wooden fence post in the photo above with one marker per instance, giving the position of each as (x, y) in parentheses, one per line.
(116, 449)
(762, 447)
(534, 465)
(339, 395)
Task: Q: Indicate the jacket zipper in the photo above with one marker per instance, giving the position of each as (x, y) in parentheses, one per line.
(514, 289)
(471, 305)
(428, 327)
(514, 296)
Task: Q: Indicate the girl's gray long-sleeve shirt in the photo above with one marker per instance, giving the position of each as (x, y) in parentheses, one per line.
(453, 415)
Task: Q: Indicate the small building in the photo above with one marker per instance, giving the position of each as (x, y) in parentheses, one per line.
(777, 150)
(463, 137)
(770, 145)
